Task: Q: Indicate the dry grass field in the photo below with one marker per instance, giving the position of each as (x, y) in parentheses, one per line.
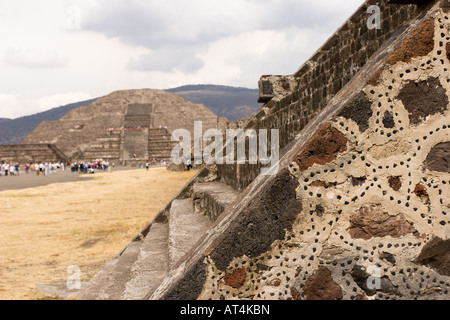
(44, 230)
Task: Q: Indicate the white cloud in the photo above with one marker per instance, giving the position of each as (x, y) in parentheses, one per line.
(10, 106)
(152, 44)
(242, 59)
(18, 105)
(32, 58)
(157, 23)
(166, 60)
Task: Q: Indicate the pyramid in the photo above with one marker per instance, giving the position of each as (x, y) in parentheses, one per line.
(359, 208)
(125, 126)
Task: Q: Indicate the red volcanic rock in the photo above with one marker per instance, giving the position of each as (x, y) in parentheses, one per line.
(323, 148)
(235, 279)
(369, 222)
(321, 286)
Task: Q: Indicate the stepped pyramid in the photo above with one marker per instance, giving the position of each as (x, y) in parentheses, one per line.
(360, 206)
(30, 153)
(126, 126)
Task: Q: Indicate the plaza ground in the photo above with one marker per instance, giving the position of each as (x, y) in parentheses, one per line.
(80, 220)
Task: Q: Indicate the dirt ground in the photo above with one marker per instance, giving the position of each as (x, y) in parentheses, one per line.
(84, 223)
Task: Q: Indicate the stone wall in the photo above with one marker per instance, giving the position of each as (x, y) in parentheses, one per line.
(292, 101)
(30, 153)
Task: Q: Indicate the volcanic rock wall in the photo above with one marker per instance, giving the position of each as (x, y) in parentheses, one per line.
(360, 206)
(293, 101)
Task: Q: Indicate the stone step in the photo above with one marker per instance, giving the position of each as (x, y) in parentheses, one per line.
(151, 266)
(165, 151)
(212, 198)
(160, 136)
(102, 154)
(103, 146)
(186, 227)
(144, 264)
(159, 132)
(108, 139)
(110, 283)
(161, 146)
(162, 152)
(159, 156)
(166, 137)
(162, 142)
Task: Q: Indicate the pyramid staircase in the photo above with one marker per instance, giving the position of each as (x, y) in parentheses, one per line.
(142, 266)
(160, 144)
(106, 146)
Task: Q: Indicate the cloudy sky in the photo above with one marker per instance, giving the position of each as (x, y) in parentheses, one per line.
(55, 52)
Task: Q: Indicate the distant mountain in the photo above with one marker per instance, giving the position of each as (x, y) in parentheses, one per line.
(13, 131)
(229, 102)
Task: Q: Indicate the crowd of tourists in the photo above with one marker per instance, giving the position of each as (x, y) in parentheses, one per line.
(7, 169)
(49, 168)
(90, 167)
